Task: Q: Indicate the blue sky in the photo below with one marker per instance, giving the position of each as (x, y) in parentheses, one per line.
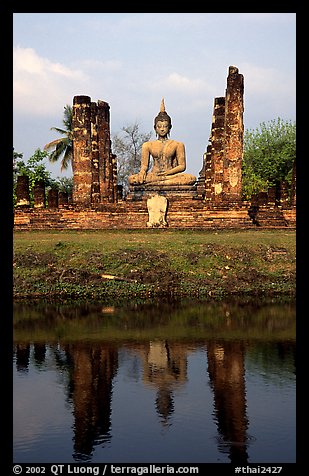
(132, 60)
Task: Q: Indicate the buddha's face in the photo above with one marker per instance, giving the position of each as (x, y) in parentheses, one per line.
(162, 128)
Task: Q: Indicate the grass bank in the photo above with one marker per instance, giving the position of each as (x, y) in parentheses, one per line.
(119, 264)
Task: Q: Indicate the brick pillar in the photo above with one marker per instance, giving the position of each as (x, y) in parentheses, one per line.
(39, 194)
(52, 198)
(113, 158)
(62, 199)
(272, 196)
(22, 191)
(208, 175)
(200, 186)
(104, 146)
(82, 163)
(234, 132)
(217, 150)
(293, 185)
(283, 194)
(262, 198)
(95, 191)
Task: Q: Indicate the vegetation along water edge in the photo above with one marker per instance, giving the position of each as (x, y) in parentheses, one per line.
(119, 264)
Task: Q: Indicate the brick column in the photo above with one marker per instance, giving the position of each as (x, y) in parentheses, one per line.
(95, 191)
(53, 198)
(234, 131)
(201, 181)
(113, 187)
(293, 185)
(104, 147)
(39, 194)
(63, 199)
(22, 191)
(217, 152)
(283, 194)
(82, 163)
(208, 175)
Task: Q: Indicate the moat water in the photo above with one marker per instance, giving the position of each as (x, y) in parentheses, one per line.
(154, 383)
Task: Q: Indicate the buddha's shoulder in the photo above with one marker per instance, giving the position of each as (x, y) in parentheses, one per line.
(158, 143)
(176, 143)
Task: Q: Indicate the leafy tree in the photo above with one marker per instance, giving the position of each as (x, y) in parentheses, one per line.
(64, 184)
(127, 147)
(269, 153)
(62, 147)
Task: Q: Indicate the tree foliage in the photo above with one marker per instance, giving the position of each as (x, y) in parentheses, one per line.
(269, 154)
(33, 168)
(62, 148)
(36, 170)
(127, 146)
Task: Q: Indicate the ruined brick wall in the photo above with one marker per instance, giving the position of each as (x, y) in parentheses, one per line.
(192, 214)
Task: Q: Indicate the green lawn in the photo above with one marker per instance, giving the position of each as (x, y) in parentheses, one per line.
(145, 263)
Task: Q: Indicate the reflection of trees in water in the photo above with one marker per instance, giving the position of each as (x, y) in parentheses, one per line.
(274, 361)
(250, 319)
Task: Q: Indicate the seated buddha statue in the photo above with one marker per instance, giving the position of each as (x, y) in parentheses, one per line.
(169, 157)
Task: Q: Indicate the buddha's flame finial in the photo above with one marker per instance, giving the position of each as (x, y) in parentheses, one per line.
(162, 106)
(162, 115)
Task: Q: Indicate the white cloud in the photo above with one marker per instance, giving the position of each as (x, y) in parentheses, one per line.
(175, 82)
(268, 17)
(40, 85)
(108, 66)
(267, 81)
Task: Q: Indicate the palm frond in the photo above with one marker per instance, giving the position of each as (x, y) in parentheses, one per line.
(67, 159)
(62, 147)
(60, 131)
(52, 144)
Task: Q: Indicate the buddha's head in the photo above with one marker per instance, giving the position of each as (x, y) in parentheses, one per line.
(163, 117)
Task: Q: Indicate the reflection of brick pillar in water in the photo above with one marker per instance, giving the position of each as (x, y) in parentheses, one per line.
(226, 371)
(234, 133)
(39, 194)
(94, 367)
(81, 164)
(22, 191)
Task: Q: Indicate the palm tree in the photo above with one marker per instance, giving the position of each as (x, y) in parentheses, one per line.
(62, 147)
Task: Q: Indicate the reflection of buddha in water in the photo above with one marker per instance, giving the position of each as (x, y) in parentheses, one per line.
(169, 157)
(166, 370)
